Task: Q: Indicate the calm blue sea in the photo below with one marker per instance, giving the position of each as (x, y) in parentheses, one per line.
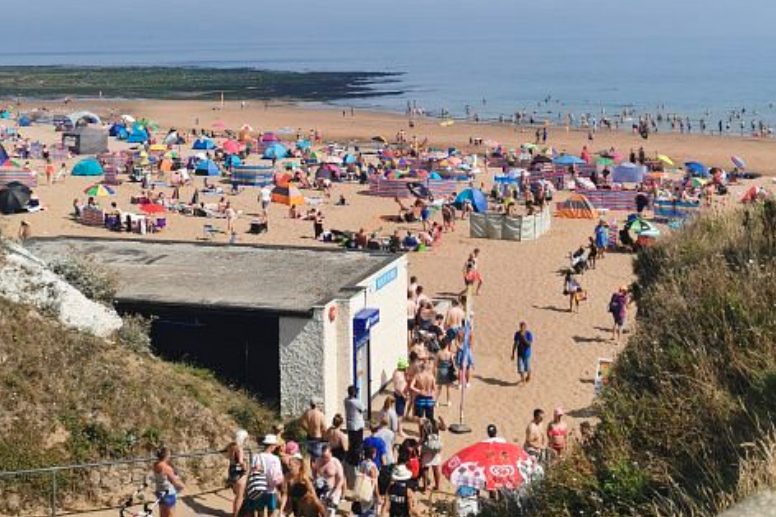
(693, 57)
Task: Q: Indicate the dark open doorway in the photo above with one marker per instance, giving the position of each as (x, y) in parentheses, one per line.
(240, 347)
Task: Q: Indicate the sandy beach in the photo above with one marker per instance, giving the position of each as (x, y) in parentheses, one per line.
(521, 279)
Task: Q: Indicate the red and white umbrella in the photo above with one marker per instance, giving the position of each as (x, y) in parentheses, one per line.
(490, 466)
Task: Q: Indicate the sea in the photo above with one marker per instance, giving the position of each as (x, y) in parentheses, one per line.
(478, 58)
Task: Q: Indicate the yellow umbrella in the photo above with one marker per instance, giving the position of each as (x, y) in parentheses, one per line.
(665, 159)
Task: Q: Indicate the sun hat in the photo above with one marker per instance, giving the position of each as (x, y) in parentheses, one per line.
(401, 473)
(403, 364)
(292, 448)
(270, 439)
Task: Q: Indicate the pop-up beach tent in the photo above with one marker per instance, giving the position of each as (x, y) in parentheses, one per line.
(275, 151)
(88, 167)
(203, 144)
(474, 196)
(576, 206)
(138, 135)
(207, 168)
(288, 195)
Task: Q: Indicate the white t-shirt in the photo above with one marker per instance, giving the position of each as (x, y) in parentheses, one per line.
(266, 195)
(272, 467)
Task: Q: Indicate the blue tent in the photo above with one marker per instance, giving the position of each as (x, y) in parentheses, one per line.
(5, 114)
(697, 169)
(88, 167)
(275, 151)
(207, 168)
(434, 176)
(568, 159)
(233, 161)
(138, 136)
(203, 144)
(303, 144)
(24, 121)
(116, 129)
(349, 158)
(475, 197)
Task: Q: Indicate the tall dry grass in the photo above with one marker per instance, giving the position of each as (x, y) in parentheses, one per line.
(686, 422)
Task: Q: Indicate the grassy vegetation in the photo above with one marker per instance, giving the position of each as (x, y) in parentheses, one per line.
(686, 423)
(66, 397)
(189, 83)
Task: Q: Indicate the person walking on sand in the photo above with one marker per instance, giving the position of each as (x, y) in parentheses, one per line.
(601, 238)
(573, 290)
(471, 276)
(167, 484)
(521, 349)
(618, 307)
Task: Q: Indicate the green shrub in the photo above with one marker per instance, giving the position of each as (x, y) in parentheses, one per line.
(89, 277)
(135, 333)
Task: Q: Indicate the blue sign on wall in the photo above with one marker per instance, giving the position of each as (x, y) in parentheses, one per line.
(386, 278)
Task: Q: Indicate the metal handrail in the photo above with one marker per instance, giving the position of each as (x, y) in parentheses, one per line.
(127, 461)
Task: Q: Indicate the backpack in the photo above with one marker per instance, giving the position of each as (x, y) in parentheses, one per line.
(257, 483)
(614, 305)
(433, 443)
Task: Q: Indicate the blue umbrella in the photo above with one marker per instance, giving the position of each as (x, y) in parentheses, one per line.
(696, 169)
(568, 159)
(275, 151)
(475, 197)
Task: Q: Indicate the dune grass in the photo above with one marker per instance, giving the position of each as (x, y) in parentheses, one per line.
(686, 422)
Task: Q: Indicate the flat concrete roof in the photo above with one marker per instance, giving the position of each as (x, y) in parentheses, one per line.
(270, 278)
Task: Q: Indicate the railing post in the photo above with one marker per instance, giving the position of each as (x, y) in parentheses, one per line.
(54, 493)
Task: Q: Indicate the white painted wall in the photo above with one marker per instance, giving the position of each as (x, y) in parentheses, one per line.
(301, 357)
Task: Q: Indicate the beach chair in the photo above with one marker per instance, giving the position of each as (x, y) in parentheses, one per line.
(92, 216)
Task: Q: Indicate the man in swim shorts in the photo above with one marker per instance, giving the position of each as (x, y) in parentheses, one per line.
(424, 387)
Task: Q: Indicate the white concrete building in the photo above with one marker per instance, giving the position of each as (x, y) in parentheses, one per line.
(286, 323)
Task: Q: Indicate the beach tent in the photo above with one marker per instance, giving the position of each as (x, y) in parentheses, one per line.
(576, 206)
(203, 144)
(303, 144)
(88, 167)
(275, 151)
(117, 129)
(475, 197)
(232, 161)
(269, 138)
(14, 197)
(138, 135)
(349, 159)
(568, 159)
(288, 195)
(628, 172)
(207, 168)
(83, 118)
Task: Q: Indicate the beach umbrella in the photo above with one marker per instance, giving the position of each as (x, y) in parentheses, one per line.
(233, 161)
(665, 160)
(568, 159)
(696, 168)
(303, 144)
(474, 196)
(738, 162)
(14, 197)
(99, 190)
(231, 147)
(270, 137)
(218, 124)
(152, 208)
(490, 465)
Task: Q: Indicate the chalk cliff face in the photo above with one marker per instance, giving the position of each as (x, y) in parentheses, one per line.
(26, 279)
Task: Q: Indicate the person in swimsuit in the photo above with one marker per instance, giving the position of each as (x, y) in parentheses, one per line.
(167, 484)
(535, 440)
(445, 371)
(302, 501)
(336, 438)
(557, 433)
(400, 391)
(424, 387)
(238, 468)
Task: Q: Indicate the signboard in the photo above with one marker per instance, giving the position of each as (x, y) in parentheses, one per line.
(386, 278)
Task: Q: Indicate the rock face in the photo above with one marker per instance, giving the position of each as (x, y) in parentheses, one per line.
(26, 279)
